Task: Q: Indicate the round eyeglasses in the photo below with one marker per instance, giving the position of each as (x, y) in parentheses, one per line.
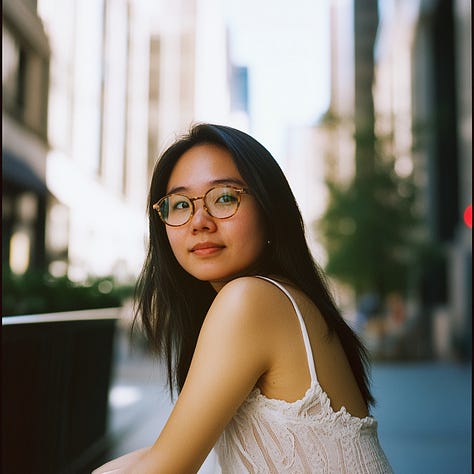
(221, 202)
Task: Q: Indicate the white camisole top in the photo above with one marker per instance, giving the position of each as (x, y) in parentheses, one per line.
(270, 436)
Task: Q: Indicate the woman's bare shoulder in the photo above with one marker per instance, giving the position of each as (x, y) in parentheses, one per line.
(251, 301)
(250, 292)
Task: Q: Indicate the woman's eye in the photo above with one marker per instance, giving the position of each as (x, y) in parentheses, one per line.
(226, 199)
(179, 205)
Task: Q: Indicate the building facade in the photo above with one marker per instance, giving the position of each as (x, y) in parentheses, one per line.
(126, 77)
(422, 101)
(25, 84)
(97, 128)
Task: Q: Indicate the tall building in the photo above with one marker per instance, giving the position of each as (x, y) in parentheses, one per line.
(327, 149)
(97, 129)
(127, 76)
(189, 69)
(423, 98)
(25, 83)
(366, 20)
(416, 67)
(422, 101)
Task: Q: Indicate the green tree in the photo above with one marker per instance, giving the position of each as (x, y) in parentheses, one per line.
(369, 229)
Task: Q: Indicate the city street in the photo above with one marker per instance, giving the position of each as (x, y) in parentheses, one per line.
(348, 119)
(423, 409)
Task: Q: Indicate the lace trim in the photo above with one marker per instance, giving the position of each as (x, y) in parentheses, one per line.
(314, 395)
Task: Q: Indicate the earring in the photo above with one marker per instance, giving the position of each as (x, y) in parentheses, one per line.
(269, 242)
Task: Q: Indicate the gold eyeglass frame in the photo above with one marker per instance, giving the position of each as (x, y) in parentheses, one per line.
(239, 191)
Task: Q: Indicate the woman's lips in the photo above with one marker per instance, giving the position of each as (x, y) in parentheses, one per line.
(206, 248)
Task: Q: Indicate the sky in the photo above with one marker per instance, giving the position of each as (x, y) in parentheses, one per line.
(285, 45)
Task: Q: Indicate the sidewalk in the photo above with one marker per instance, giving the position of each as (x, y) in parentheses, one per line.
(424, 414)
(423, 409)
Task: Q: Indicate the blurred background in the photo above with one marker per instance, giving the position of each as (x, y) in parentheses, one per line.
(367, 107)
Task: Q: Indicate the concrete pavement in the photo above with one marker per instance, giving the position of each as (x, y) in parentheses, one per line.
(424, 414)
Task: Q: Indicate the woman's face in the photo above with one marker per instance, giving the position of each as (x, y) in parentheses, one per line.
(209, 248)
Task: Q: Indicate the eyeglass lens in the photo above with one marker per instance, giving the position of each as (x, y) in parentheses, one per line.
(220, 202)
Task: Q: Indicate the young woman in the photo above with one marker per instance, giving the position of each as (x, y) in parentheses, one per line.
(267, 370)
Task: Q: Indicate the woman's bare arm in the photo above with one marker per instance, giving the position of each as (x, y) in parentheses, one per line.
(232, 353)
(123, 463)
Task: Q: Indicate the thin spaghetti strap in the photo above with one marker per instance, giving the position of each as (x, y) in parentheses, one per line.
(307, 342)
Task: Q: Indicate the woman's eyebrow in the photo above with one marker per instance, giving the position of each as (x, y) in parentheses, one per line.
(177, 189)
(214, 182)
(234, 181)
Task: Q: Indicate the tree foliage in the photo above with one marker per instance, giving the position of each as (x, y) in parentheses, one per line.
(369, 229)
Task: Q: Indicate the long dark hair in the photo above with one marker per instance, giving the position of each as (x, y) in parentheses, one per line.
(172, 304)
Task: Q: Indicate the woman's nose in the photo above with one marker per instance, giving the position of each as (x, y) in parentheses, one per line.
(201, 219)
